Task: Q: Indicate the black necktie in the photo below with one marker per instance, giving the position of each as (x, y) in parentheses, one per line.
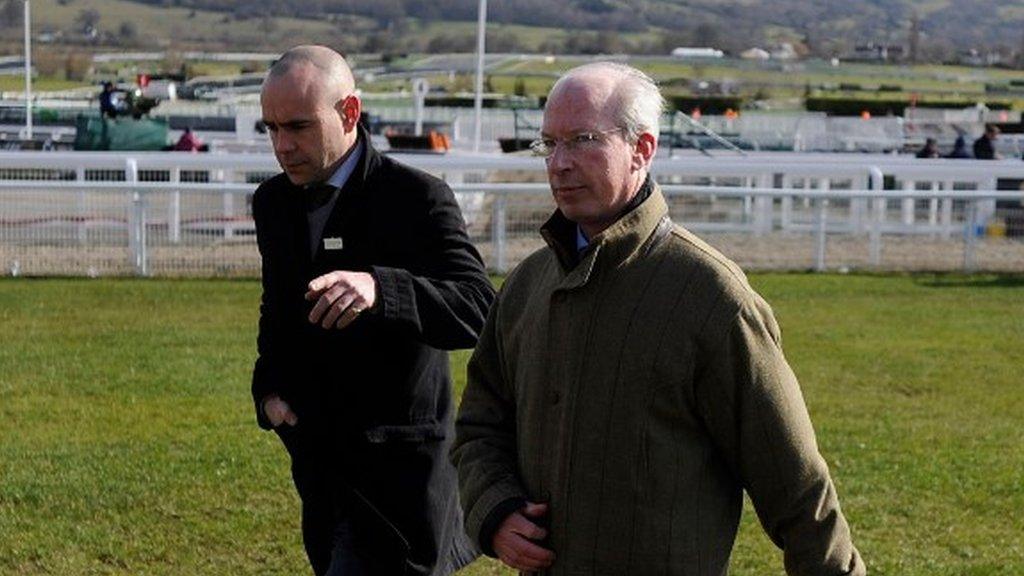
(317, 195)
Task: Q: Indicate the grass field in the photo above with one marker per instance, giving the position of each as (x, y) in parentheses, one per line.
(17, 83)
(932, 83)
(128, 446)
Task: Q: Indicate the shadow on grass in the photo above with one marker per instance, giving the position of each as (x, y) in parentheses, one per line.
(971, 281)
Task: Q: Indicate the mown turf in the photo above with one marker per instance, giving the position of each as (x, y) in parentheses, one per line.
(127, 443)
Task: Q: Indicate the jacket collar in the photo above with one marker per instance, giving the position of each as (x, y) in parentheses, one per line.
(369, 160)
(615, 246)
(354, 188)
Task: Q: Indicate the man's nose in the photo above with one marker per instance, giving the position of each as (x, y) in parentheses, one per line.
(560, 158)
(282, 141)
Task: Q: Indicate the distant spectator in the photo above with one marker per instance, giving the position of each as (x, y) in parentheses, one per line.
(189, 142)
(930, 149)
(959, 149)
(984, 147)
(108, 107)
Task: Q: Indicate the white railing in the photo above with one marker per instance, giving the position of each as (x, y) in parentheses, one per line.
(189, 214)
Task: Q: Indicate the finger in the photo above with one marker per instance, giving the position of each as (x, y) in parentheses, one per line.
(518, 564)
(520, 525)
(324, 303)
(525, 565)
(291, 418)
(526, 555)
(350, 315)
(337, 310)
(317, 285)
(273, 413)
(274, 417)
(534, 510)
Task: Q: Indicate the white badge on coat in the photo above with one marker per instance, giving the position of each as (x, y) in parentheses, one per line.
(333, 243)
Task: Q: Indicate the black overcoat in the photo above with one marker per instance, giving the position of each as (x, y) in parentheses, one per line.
(374, 400)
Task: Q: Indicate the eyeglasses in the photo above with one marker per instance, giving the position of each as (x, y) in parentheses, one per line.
(545, 147)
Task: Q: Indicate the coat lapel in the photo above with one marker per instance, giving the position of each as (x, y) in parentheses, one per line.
(342, 222)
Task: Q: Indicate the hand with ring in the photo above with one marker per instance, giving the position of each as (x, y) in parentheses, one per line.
(341, 296)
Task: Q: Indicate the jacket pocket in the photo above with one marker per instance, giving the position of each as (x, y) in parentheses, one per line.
(405, 433)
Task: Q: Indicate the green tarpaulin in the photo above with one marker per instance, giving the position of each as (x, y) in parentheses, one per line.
(95, 133)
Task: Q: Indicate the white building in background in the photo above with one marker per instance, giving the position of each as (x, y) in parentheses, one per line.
(974, 57)
(688, 52)
(755, 54)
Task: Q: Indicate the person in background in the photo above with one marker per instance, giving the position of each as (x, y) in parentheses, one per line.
(108, 107)
(930, 149)
(189, 142)
(959, 149)
(984, 146)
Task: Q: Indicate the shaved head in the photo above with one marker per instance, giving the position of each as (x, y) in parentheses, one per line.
(311, 111)
(314, 67)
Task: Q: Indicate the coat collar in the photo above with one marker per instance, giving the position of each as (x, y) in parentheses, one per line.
(612, 248)
(368, 162)
(354, 188)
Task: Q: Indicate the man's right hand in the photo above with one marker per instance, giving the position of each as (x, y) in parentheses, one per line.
(278, 411)
(515, 540)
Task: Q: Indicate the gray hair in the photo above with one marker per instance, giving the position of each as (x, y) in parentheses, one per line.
(640, 100)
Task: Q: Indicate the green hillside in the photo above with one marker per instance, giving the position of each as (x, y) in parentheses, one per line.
(824, 28)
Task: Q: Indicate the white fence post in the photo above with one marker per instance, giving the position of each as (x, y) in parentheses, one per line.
(986, 208)
(876, 181)
(82, 210)
(820, 227)
(947, 211)
(498, 231)
(786, 205)
(970, 234)
(907, 206)
(174, 215)
(763, 206)
(229, 207)
(136, 221)
(857, 206)
(933, 208)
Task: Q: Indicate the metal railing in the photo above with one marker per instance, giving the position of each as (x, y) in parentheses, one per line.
(171, 214)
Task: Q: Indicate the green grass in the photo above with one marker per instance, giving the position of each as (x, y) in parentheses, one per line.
(16, 83)
(929, 82)
(128, 446)
(177, 28)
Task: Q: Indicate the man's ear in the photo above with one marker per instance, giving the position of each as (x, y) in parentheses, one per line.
(349, 109)
(644, 149)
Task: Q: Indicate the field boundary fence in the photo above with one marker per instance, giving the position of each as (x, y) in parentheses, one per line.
(175, 214)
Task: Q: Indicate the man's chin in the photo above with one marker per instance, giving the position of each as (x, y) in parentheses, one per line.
(297, 178)
(568, 208)
(575, 216)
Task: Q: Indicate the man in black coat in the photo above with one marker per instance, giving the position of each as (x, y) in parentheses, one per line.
(368, 276)
(984, 146)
